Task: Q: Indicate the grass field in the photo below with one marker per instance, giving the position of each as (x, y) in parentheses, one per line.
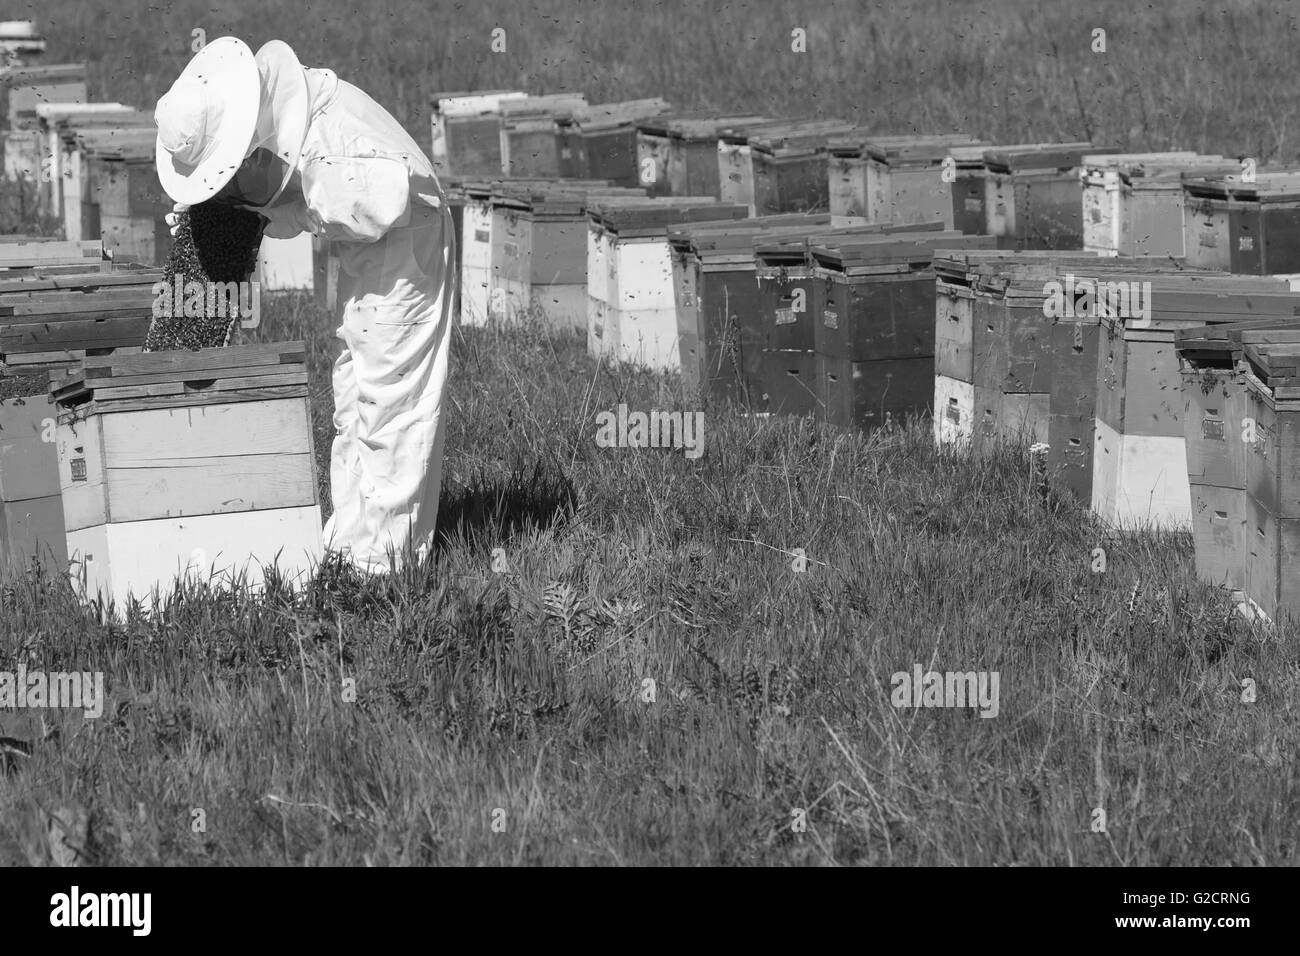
(520, 698)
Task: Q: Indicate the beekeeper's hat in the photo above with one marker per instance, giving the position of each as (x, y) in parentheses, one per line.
(206, 121)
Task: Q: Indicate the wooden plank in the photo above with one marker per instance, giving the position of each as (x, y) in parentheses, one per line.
(184, 362)
(252, 376)
(208, 397)
(214, 485)
(165, 437)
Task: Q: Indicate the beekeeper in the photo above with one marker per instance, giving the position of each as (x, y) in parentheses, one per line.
(311, 152)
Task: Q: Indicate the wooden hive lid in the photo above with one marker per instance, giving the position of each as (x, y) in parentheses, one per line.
(701, 125)
(126, 144)
(170, 379)
(729, 235)
(541, 108)
(1270, 185)
(1027, 156)
(35, 75)
(843, 253)
(606, 116)
(902, 150)
(740, 133)
(652, 217)
(465, 104)
(801, 135)
(782, 248)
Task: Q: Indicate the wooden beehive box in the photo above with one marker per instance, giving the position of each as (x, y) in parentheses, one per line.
(59, 125)
(466, 138)
(194, 462)
(51, 317)
(736, 162)
(874, 302)
(631, 298)
(789, 166)
(530, 143)
(123, 184)
(893, 179)
(1272, 405)
(1251, 228)
(1133, 202)
(600, 141)
(27, 87)
(1034, 196)
(1140, 473)
(677, 154)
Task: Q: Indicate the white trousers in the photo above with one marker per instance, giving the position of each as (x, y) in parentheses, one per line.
(390, 381)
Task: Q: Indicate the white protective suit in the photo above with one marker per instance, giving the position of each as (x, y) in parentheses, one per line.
(361, 181)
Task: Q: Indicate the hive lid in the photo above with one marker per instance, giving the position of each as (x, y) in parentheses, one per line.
(180, 378)
(651, 217)
(136, 143)
(849, 252)
(797, 136)
(1041, 156)
(37, 75)
(1228, 336)
(698, 125)
(1270, 185)
(902, 150)
(783, 248)
(481, 103)
(606, 116)
(541, 108)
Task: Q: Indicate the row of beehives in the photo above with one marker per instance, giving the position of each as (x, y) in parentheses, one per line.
(1216, 212)
(92, 168)
(120, 464)
(1084, 357)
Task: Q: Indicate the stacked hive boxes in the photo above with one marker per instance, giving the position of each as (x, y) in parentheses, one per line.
(789, 167)
(187, 462)
(467, 132)
(60, 153)
(600, 142)
(26, 87)
(1033, 195)
(530, 143)
(113, 192)
(1139, 459)
(896, 179)
(631, 300)
(875, 331)
(1246, 227)
(538, 248)
(677, 154)
(58, 302)
(1133, 203)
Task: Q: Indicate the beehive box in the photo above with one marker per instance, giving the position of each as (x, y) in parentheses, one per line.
(197, 463)
(49, 318)
(600, 141)
(530, 143)
(1133, 202)
(725, 319)
(26, 87)
(1214, 430)
(19, 41)
(467, 132)
(894, 179)
(538, 254)
(874, 298)
(60, 125)
(1034, 196)
(632, 313)
(1272, 405)
(112, 192)
(735, 160)
(969, 215)
(790, 167)
(1251, 228)
(1140, 474)
(677, 154)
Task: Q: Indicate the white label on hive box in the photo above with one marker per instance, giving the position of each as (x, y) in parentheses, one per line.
(78, 469)
(510, 248)
(830, 319)
(1245, 243)
(1209, 239)
(974, 205)
(481, 235)
(1212, 428)
(785, 316)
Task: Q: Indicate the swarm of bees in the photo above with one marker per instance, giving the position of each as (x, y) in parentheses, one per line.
(215, 243)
